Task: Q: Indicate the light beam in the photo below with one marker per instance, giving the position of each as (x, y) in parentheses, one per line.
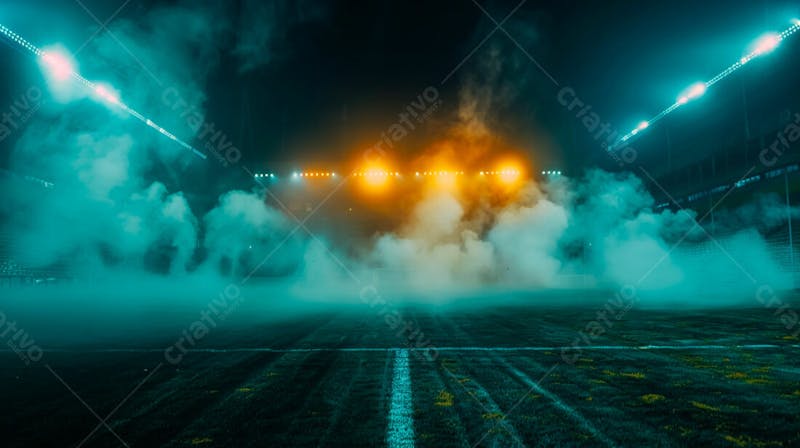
(63, 69)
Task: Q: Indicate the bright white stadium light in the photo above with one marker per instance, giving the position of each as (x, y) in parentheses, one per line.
(106, 94)
(696, 90)
(58, 65)
(766, 44)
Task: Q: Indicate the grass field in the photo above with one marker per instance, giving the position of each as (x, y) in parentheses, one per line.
(500, 376)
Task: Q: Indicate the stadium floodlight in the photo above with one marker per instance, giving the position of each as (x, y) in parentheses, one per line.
(58, 65)
(641, 127)
(764, 45)
(767, 43)
(696, 90)
(62, 68)
(106, 94)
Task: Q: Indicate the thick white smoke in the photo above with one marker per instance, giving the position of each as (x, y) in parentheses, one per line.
(599, 231)
(114, 212)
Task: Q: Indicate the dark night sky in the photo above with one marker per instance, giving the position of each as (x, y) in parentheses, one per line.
(339, 72)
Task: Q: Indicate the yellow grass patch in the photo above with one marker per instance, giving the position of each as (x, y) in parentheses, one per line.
(200, 440)
(738, 441)
(637, 375)
(745, 440)
(757, 381)
(704, 406)
(444, 398)
(652, 398)
(493, 416)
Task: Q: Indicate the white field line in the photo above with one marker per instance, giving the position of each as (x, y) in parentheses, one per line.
(400, 433)
(483, 398)
(440, 349)
(570, 412)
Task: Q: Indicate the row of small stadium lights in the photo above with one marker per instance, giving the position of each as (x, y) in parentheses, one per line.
(384, 173)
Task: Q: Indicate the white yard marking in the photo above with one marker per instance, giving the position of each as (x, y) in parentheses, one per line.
(484, 399)
(572, 413)
(440, 349)
(400, 433)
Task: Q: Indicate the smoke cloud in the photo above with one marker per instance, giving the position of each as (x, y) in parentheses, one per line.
(116, 217)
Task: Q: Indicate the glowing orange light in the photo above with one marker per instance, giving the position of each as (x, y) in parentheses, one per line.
(509, 175)
(376, 178)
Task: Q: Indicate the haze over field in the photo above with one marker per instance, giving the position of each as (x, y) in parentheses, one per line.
(111, 215)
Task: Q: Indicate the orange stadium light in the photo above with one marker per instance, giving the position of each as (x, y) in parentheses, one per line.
(375, 179)
(509, 175)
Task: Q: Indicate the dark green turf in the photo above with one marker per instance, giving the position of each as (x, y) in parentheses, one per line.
(735, 397)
